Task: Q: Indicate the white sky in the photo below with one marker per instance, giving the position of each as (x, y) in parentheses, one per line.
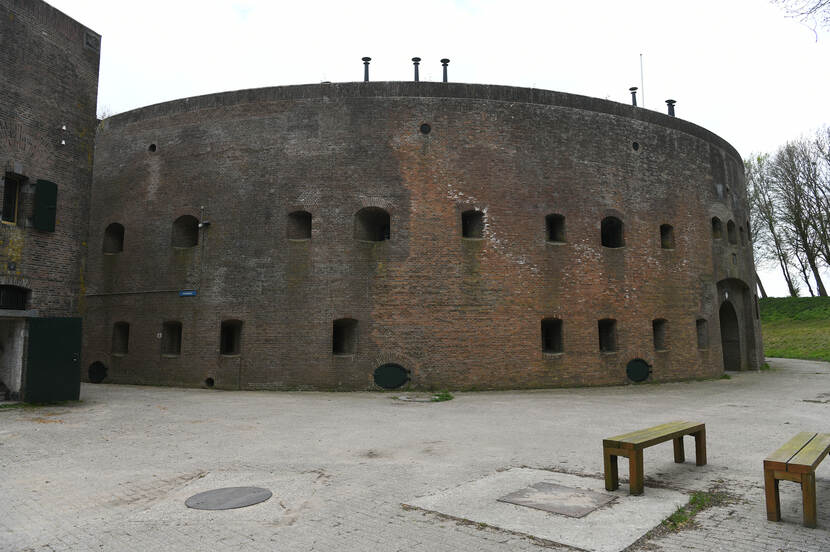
(739, 68)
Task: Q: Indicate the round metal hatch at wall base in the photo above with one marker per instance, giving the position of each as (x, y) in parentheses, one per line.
(638, 370)
(391, 376)
(228, 498)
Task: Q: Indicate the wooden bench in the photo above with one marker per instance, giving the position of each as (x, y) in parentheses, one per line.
(631, 445)
(796, 461)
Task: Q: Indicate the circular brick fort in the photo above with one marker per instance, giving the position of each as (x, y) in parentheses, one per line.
(430, 235)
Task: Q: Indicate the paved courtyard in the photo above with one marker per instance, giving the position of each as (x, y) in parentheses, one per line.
(348, 471)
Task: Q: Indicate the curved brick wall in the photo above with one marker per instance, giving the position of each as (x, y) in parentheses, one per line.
(455, 312)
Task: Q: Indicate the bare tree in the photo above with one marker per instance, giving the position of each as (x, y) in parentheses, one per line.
(768, 243)
(813, 13)
(820, 192)
(794, 172)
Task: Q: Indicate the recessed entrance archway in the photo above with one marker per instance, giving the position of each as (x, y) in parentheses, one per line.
(730, 337)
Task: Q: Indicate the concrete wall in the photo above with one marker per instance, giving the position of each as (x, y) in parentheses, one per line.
(457, 312)
(12, 342)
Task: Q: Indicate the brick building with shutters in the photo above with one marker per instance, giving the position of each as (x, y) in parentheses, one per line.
(357, 235)
(48, 92)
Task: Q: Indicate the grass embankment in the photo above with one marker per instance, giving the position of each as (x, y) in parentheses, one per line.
(796, 327)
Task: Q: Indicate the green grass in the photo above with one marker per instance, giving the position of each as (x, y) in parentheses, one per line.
(808, 339)
(700, 500)
(441, 396)
(796, 327)
(777, 309)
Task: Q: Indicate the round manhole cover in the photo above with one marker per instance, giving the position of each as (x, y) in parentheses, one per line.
(228, 498)
(638, 370)
(391, 376)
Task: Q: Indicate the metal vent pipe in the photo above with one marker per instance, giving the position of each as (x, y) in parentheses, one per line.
(416, 61)
(366, 61)
(633, 91)
(671, 103)
(445, 62)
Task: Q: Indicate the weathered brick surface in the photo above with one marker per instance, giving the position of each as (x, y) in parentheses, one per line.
(49, 79)
(458, 313)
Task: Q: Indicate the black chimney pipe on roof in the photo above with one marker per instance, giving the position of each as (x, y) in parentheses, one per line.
(445, 62)
(366, 61)
(671, 103)
(415, 62)
(633, 91)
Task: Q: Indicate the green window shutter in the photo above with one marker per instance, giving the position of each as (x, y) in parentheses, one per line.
(46, 204)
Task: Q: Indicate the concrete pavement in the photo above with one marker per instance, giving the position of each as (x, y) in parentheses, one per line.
(113, 472)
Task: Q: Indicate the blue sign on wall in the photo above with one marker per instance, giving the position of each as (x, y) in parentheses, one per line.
(187, 293)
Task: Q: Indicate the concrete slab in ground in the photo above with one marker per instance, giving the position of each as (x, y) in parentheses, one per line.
(610, 528)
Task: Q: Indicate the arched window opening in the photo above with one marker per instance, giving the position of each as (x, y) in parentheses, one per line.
(666, 236)
(552, 335)
(114, 238)
(13, 297)
(371, 224)
(659, 329)
(612, 232)
(555, 228)
(472, 224)
(748, 233)
(702, 333)
(607, 335)
(730, 233)
(299, 225)
(171, 338)
(120, 338)
(344, 336)
(185, 231)
(717, 228)
(230, 337)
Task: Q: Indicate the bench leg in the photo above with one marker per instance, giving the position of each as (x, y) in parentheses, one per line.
(808, 496)
(679, 453)
(771, 495)
(700, 447)
(635, 472)
(612, 478)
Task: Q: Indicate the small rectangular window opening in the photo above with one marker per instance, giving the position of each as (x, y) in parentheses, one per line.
(667, 236)
(659, 329)
(607, 335)
(702, 334)
(120, 338)
(11, 193)
(555, 228)
(230, 339)
(13, 297)
(344, 336)
(472, 224)
(552, 335)
(171, 338)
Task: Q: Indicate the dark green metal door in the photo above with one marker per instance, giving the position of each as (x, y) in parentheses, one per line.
(53, 360)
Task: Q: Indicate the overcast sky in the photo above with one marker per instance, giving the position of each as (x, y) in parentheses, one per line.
(739, 68)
